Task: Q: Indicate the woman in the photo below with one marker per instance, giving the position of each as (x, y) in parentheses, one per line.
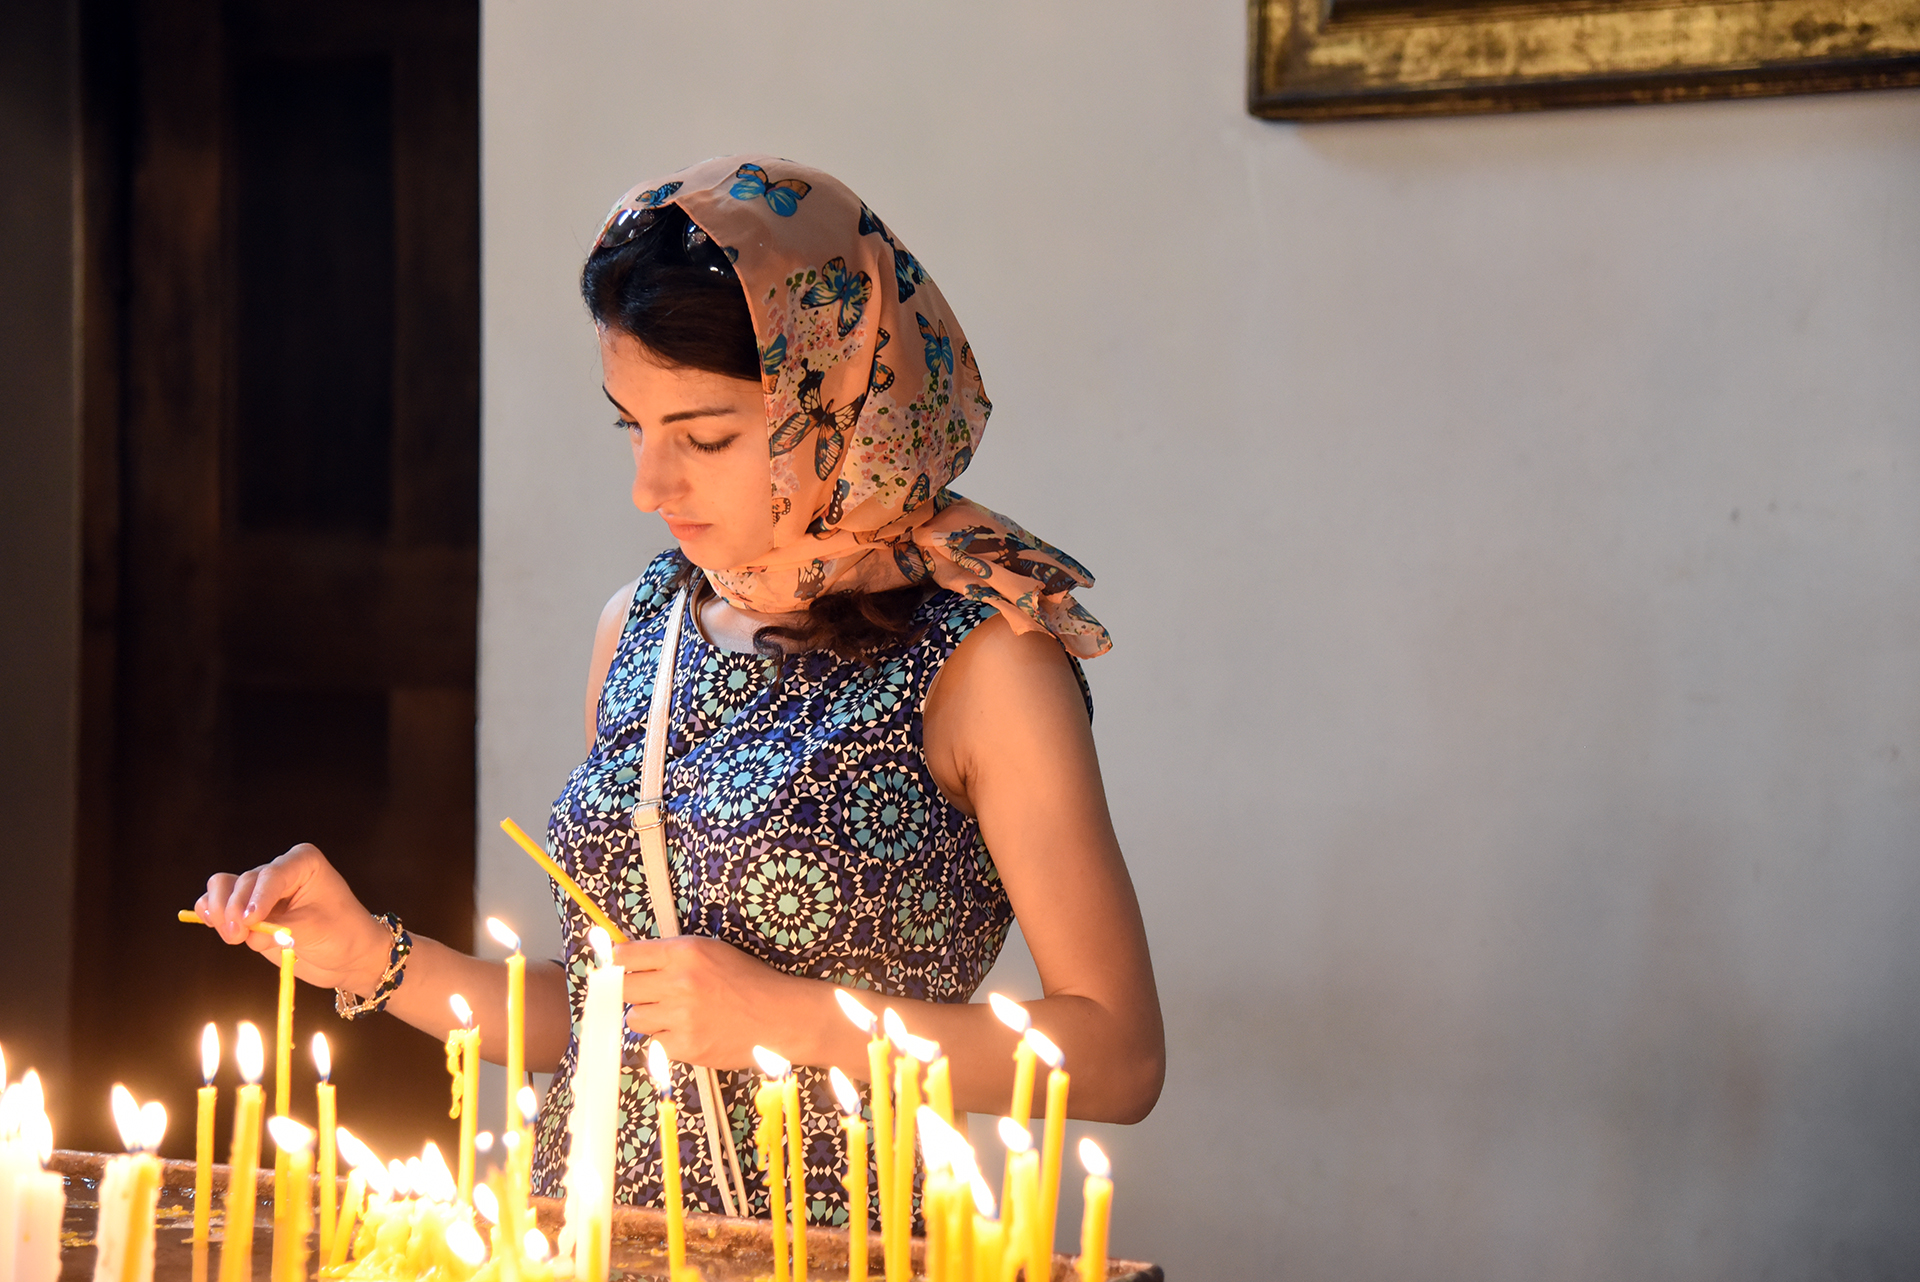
(877, 685)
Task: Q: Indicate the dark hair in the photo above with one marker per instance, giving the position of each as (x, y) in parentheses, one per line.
(674, 291)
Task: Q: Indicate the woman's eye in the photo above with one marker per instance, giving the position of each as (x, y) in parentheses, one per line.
(713, 447)
(625, 424)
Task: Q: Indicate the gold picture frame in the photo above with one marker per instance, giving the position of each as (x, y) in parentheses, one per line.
(1344, 59)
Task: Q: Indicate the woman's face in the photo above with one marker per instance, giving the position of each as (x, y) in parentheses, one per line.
(699, 453)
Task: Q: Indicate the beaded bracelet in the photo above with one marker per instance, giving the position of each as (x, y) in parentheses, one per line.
(350, 1005)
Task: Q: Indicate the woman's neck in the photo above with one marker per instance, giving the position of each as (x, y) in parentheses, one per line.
(727, 627)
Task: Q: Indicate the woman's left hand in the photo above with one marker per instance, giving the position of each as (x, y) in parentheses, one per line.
(706, 1001)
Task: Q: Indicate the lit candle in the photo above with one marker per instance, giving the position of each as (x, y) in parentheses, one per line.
(987, 1238)
(516, 1016)
(595, 1122)
(282, 1069)
(662, 1074)
(1014, 1016)
(290, 1228)
(520, 1157)
(879, 1073)
(960, 1207)
(32, 1200)
(463, 1063)
(129, 1191)
(365, 1169)
(856, 1181)
(236, 1237)
(906, 1102)
(1098, 1194)
(1025, 1241)
(940, 1089)
(796, 1173)
(209, 1095)
(323, 1097)
(1056, 1129)
(936, 1192)
(770, 1101)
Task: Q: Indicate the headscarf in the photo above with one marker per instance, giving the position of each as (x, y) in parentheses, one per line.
(874, 405)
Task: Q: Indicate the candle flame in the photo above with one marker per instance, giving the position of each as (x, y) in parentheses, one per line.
(960, 1157)
(529, 1105)
(461, 1011)
(845, 1091)
(153, 1125)
(126, 1117)
(283, 939)
(510, 1141)
(850, 1007)
(1093, 1159)
(504, 933)
(922, 1049)
(602, 944)
(770, 1064)
(936, 1137)
(37, 1131)
(3, 1072)
(483, 1141)
(465, 1244)
(896, 1029)
(322, 1056)
(1011, 1013)
(982, 1196)
(535, 1244)
(289, 1134)
(486, 1203)
(209, 1053)
(439, 1183)
(351, 1147)
(659, 1069)
(1014, 1136)
(398, 1183)
(1043, 1047)
(248, 1053)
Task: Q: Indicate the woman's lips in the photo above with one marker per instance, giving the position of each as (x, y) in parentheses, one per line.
(684, 530)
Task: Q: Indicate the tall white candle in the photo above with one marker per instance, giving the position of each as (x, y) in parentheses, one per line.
(594, 1125)
(32, 1200)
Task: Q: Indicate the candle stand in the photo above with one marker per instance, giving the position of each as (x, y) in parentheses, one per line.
(723, 1249)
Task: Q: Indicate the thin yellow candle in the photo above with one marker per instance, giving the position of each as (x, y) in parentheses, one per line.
(1097, 1193)
(236, 1238)
(936, 1193)
(463, 1062)
(1056, 1129)
(193, 918)
(906, 1096)
(1026, 1243)
(770, 1103)
(878, 1078)
(796, 1173)
(1014, 1016)
(129, 1191)
(940, 1089)
(292, 1224)
(367, 1173)
(662, 1074)
(960, 1208)
(987, 1237)
(209, 1096)
(324, 1106)
(282, 1072)
(516, 1018)
(856, 1182)
(336, 1255)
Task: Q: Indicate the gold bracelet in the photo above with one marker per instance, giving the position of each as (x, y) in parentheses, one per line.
(351, 1005)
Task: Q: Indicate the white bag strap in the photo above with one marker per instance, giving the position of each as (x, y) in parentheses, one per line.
(649, 821)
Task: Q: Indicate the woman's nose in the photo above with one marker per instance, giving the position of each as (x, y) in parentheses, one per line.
(654, 478)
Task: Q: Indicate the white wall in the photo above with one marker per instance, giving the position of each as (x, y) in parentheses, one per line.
(1509, 530)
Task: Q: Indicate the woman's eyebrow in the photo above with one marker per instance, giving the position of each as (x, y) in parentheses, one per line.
(678, 416)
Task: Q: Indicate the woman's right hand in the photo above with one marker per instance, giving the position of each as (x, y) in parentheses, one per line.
(338, 943)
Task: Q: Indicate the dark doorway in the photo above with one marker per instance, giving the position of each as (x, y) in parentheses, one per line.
(281, 482)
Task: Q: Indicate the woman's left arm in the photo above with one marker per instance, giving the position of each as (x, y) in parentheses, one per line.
(1008, 740)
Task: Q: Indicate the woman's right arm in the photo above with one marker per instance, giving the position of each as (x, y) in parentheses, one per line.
(339, 944)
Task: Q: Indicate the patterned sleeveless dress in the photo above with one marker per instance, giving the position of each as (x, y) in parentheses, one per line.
(803, 827)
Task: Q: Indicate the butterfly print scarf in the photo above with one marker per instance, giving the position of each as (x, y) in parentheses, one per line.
(874, 406)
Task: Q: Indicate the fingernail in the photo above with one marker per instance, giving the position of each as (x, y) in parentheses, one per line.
(252, 907)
